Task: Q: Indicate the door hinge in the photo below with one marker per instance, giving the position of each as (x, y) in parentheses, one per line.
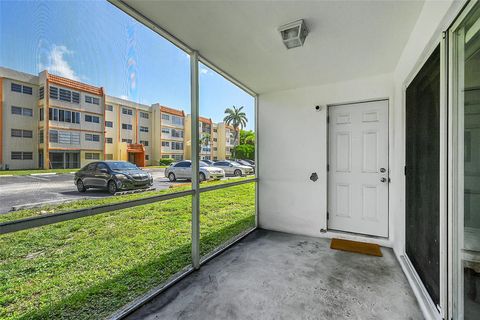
(328, 167)
(405, 170)
(328, 215)
(328, 119)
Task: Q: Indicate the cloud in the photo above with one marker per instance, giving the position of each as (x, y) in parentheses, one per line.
(56, 63)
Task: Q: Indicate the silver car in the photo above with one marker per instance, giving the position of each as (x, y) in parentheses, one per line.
(234, 168)
(183, 170)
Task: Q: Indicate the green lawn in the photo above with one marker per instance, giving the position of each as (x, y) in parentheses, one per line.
(27, 172)
(30, 171)
(88, 268)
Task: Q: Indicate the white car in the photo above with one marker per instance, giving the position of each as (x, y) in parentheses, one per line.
(183, 170)
(234, 168)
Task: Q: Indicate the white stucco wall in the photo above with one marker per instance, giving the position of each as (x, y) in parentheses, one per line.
(293, 144)
(293, 140)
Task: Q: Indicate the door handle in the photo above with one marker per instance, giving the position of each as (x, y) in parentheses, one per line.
(383, 180)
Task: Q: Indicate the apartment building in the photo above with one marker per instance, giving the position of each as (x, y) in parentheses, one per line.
(128, 131)
(205, 127)
(225, 141)
(18, 119)
(50, 122)
(169, 130)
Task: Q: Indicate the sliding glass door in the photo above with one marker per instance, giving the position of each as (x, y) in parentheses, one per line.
(422, 181)
(465, 86)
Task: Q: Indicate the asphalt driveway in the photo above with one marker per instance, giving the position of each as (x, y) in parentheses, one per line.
(21, 190)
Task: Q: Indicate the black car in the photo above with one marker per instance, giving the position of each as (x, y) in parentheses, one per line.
(112, 176)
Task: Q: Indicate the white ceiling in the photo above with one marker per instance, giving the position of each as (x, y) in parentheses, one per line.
(347, 39)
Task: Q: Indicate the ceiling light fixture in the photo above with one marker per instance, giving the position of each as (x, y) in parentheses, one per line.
(293, 34)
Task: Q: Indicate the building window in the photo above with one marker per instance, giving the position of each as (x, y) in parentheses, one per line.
(214, 139)
(64, 137)
(108, 156)
(177, 120)
(27, 112)
(27, 133)
(177, 133)
(215, 149)
(40, 136)
(63, 115)
(126, 126)
(109, 107)
(144, 142)
(41, 93)
(143, 129)
(92, 100)
(127, 140)
(214, 130)
(147, 157)
(108, 140)
(65, 95)
(92, 156)
(90, 118)
(109, 124)
(41, 115)
(177, 145)
(165, 116)
(144, 115)
(75, 97)
(16, 87)
(27, 90)
(19, 133)
(16, 133)
(177, 157)
(127, 111)
(92, 137)
(166, 130)
(165, 144)
(53, 136)
(18, 155)
(165, 156)
(54, 93)
(16, 110)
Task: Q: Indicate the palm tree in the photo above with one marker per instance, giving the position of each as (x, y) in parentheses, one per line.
(236, 118)
(205, 140)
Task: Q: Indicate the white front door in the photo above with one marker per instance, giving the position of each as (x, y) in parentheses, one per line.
(358, 168)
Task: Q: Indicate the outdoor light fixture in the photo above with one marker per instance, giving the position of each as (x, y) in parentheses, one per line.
(293, 34)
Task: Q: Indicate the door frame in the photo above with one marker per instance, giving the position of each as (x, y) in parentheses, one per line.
(383, 241)
(435, 311)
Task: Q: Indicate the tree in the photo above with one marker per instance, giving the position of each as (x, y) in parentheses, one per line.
(237, 119)
(246, 147)
(205, 140)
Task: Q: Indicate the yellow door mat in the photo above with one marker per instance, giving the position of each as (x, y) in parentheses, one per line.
(357, 247)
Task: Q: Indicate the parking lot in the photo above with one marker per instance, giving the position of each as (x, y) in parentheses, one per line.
(33, 189)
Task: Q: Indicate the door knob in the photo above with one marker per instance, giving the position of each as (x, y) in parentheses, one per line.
(383, 180)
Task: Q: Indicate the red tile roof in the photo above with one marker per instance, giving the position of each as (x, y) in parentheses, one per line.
(72, 84)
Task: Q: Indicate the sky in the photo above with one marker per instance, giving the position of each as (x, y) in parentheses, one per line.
(96, 43)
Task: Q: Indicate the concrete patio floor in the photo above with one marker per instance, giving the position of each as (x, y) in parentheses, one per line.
(273, 275)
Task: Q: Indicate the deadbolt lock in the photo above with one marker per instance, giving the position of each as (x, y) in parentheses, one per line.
(383, 170)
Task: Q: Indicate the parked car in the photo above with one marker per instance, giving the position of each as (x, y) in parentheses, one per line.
(112, 176)
(209, 162)
(183, 170)
(246, 163)
(250, 161)
(234, 168)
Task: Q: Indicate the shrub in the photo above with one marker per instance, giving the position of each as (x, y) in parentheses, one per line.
(166, 162)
